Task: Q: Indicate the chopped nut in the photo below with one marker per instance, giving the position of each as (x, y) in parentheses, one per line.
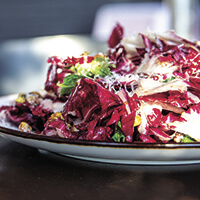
(178, 137)
(138, 120)
(21, 98)
(69, 126)
(100, 55)
(35, 93)
(55, 115)
(25, 127)
(32, 99)
(72, 128)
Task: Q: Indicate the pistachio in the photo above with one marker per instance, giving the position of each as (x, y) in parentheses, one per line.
(55, 115)
(21, 98)
(25, 127)
(32, 99)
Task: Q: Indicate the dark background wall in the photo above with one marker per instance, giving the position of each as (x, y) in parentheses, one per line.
(30, 18)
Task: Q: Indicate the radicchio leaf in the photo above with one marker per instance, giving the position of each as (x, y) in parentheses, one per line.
(116, 36)
(93, 109)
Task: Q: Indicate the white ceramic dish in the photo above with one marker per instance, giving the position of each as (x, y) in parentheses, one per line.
(143, 154)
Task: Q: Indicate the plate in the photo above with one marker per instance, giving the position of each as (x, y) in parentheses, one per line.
(120, 153)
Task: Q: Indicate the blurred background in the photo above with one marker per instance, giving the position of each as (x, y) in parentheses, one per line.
(32, 31)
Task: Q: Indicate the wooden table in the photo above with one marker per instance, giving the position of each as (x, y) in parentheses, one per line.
(28, 174)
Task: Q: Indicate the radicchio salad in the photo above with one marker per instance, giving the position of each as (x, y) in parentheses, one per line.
(145, 90)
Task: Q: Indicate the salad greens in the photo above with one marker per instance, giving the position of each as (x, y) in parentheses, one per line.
(169, 79)
(146, 89)
(187, 139)
(119, 136)
(69, 82)
(99, 66)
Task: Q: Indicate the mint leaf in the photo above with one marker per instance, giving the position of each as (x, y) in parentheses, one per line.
(69, 82)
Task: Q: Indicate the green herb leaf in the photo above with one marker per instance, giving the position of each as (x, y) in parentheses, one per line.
(169, 79)
(69, 82)
(187, 139)
(119, 135)
(99, 66)
(119, 124)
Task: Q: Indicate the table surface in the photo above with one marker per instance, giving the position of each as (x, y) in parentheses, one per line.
(28, 173)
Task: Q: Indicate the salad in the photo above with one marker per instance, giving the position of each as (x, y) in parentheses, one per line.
(146, 89)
